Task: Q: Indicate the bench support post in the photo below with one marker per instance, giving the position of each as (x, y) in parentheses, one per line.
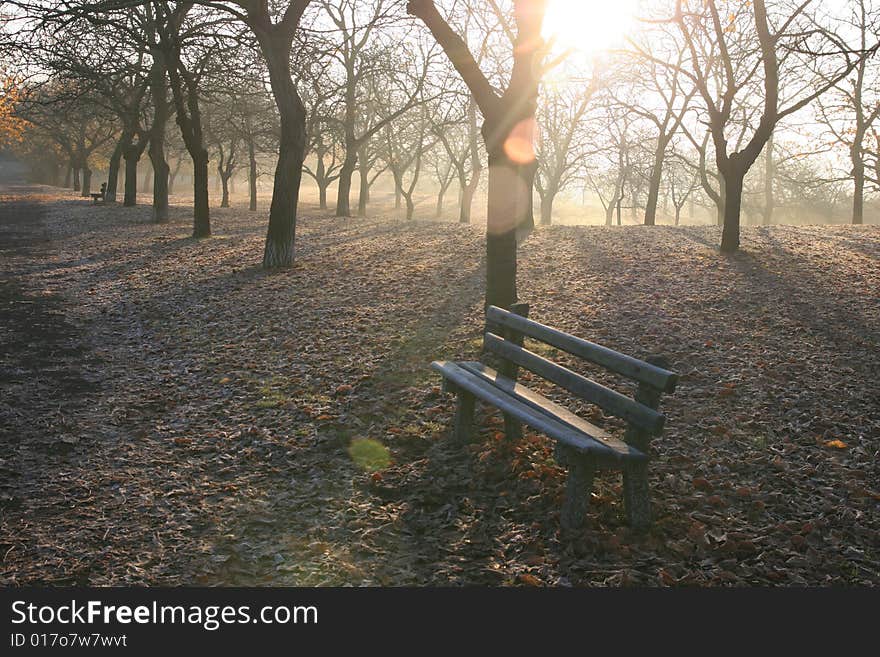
(636, 491)
(578, 486)
(463, 427)
(637, 496)
(512, 427)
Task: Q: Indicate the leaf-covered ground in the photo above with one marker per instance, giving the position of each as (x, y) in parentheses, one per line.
(171, 414)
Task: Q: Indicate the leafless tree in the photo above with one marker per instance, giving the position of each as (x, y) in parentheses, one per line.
(508, 131)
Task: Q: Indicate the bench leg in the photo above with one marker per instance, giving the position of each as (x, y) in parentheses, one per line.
(512, 428)
(637, 495)
(578, 487)
(464, 417)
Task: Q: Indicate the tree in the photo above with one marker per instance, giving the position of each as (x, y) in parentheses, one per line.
(241, 117)
(368, 69)
(508, 132)
(853, 105)
(562, 148)
(739, 53)
(322, 126)
(12, 126)
(664, 100)
(188, 50)
(69, 115)
(609, 172)
(113, 66)
(405, 144)
(275, 40)
(682, 181)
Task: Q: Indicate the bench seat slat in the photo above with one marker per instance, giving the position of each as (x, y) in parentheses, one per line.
(627, 366)
(546, 406)
(609, 400)
(527, 414)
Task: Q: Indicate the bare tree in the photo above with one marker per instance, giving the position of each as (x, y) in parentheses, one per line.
(405, 143)
(665, 97)
(738, 52)
(562, 147)
(508, 130)
(608, 171)
(852, 108)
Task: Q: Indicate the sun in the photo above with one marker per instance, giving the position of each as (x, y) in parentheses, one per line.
(589, 25)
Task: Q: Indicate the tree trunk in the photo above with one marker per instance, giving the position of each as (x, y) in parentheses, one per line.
(526, 178)
(858, 210)
(410, 206)
(467, 196)
(438, 210)
(677, 215)
(68, 175)
(224, 198)
(160, 180)
(654, 185)
(364, 191)
(343, 192)
(130, 190)
(201, 209)
(769, 175)
(722, 202)
(733, 186)
(547, 207)
(76, 185)
(113, 169)
(157, 137)
(509, 204)
(252, 176)
(609, 214)
(86, 181)
(321, 180)
(281, 233)
(398, 195)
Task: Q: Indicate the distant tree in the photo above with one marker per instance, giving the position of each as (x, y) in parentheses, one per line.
(852, 108)
(68, 115)
(740, 52)
(405, 143)
(608, 169)
(367, 66)
(323, 127)
(682, 181)
(563, 143)
(459, 137)
(12, 126)
(664, 97)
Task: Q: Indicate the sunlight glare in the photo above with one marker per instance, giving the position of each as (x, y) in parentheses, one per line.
(589, 25)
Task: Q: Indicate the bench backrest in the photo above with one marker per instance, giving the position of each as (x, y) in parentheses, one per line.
(514, 327)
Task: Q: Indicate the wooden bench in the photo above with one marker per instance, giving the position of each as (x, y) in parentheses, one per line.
(580, 446)
(99, 196)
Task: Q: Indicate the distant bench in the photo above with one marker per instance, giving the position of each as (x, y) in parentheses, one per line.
(99, 196)
(580, 446)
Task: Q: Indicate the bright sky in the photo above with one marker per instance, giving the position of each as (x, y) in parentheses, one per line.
(589, 25)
